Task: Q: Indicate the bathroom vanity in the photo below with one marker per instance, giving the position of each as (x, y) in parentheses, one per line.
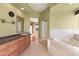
(14, 45)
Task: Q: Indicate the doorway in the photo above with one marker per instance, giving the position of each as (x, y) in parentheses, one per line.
(34, 28)
(19, 24)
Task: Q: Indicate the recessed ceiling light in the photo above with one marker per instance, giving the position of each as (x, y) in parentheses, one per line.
(22, 8)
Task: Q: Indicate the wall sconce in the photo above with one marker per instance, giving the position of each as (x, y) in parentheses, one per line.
(13, 22)
(4, 21)
(76, 12)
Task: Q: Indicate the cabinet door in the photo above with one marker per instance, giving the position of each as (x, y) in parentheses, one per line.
(21, 41)
(21, 44)
(4, 49)
(13, 42)
(15, 53)
(4, 52)
(13, 46)
(27, 41)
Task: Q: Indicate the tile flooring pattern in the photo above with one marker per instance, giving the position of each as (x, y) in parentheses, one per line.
(35, 49)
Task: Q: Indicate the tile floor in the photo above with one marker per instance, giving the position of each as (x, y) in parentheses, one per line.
(35, 49)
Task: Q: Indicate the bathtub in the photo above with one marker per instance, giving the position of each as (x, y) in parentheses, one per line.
(63, 48)
(64, 42)
(73, 41)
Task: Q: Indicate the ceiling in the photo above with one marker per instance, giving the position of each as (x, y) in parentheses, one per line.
(22, 5)
(32, 7)
(66, 7)
(38, 7)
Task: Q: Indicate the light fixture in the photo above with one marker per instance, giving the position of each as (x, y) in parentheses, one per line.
(76, 12)
(22, 8)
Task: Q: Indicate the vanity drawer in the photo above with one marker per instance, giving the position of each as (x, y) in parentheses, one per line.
(14, 53)
(4, 52)
(13, 42)
(21, 38)
(13, 47)
(21, 42)
(3, 46)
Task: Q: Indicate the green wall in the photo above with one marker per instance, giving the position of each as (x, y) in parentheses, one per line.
(7, 28)
(62, 18)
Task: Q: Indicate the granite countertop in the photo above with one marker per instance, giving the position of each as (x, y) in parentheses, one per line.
(8, 38)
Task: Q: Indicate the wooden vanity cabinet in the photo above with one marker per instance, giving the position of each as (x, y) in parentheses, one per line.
(15, 47)
(27, 41)
(24, 42)
(21, 44)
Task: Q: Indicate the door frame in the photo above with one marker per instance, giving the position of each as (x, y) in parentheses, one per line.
(22, 19)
